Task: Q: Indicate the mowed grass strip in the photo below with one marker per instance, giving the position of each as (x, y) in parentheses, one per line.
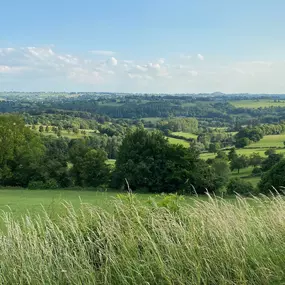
(185, 135)
(178, 141)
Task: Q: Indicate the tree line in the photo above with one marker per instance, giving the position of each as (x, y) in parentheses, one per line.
(146, 161)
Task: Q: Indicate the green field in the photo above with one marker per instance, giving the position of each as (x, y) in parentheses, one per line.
(185, 135)
(270, 141)
(244, 151)
(178, 141)
(211, 241)
(24, 201)
(255, 104)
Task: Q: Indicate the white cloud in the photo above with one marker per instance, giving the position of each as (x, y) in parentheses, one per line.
(103, 52)
(200, 56)
(113, 61)
(5, 51)
(48, 69)
(11, 69)
(141, 68)
(154, 66)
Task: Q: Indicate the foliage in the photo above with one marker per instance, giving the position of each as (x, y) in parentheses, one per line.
(239, 186)
(255, 159)
(222, 172)
(272, 159)
(273, 179)
(214, 147)
(239, 162)
(148, 161)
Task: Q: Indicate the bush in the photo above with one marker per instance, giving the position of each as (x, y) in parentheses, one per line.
(36, 185)
(239, 186)
(49, 184)
(256, 171)
(275, 177)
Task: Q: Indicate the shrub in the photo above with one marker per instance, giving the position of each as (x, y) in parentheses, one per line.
(256, 171)
(49, 184)
(274, 177)
(36, 185)
(239, 186)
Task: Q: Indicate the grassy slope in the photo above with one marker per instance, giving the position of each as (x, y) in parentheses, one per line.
(253, 104)
(209, 242)
(21, 201)
(270, 141)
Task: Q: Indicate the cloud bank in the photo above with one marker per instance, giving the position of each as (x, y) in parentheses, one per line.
(45, 69)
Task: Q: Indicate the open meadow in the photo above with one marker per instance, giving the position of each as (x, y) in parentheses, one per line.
(23, 201)
(258, 103)
(165, 241)
(185, 135)
(271, 141)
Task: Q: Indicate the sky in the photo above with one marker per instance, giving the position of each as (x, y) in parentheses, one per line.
(149, 46)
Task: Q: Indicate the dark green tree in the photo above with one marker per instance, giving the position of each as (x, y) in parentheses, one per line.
(232, 154)
(239, 162)
(148, 161)
(222, 172)
(272, 159)
(239, 186)
(41, 128)
(255, 159)
(93, 168)
(214, 147)
(274, 177)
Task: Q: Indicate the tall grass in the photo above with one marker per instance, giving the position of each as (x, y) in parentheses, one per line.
(210, 242)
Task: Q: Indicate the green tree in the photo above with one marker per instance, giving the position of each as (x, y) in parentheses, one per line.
(255, 159)
(239, 186)
(222, 155)
(20, 153)
(272, 159)
(274, 177)
(222, 172)
(232, 154)
(214, 147)
(242, 142)
(148, 161)
(41, 128)
(239, 162)
(93, 170)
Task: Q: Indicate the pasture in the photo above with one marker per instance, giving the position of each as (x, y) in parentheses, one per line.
(178, 141)
(185, 135)
(23, 201)
(259, 103)
(270, 141)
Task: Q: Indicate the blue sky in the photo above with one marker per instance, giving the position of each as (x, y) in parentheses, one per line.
(143, 46)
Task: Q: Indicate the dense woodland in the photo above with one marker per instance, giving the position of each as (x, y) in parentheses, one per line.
(72, 140)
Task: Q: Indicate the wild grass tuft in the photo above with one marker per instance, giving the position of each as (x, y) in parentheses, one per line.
(168, 242)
